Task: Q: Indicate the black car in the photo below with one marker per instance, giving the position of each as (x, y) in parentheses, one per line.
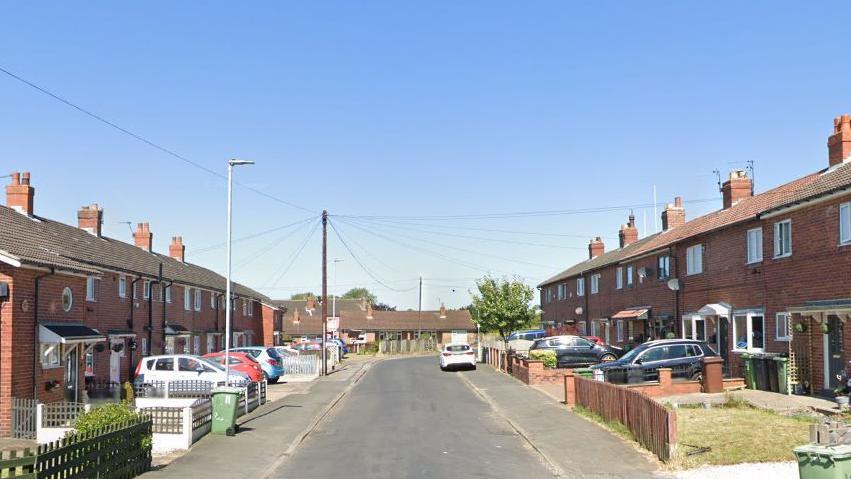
(683, 356)
(576, 351)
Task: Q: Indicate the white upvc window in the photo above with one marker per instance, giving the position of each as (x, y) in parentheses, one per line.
(187, 299)
(580, 328)
(594, 328)
(595, 283)
(197, 299)
(749, 331)
(50, 355)
(133, 289)
(561, 289)
(245, 302)
(663, 264)
(845, 223)
(250, 307)
(549, 297)
(781, 327)
(196, 343)
(92, 288)
(212, 300)
(144, 346)
(168, 294)
(146, 289)
(754, 245)
(629, 276)
(619, 278)
(122, 286)
(580, 286)
(694, 259)
(619, 328)
(783, 239)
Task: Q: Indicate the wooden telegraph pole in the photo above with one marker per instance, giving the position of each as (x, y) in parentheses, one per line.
(324, 291)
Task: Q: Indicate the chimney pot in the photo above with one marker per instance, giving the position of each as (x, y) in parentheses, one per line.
(736, 188)
(90, 218)
(628, 233)
(674, 215)
(596, 247)
(176, 249)
(839, 144)
(19, 193)
(143, 236)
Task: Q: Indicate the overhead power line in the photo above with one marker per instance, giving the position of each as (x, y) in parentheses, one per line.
(146, 141)
(252, 236)
(259, 253)
(363, 266)
(296, 254)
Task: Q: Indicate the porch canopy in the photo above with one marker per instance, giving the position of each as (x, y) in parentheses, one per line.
(176, 330)
(68, 334)
(827, 306)
(120, 333)
(632, 313)
(715, 309)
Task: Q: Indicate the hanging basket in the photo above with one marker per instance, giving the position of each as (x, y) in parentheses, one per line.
(118, 347)
(825, 328)
(800, 327)
(99, 348)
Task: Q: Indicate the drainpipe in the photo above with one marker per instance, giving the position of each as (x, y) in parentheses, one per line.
(586, 294)
(1, 332)
(150, 327)
(130, 325)
(35, 328)
(164, 285)
(219, 296)
(678, 318)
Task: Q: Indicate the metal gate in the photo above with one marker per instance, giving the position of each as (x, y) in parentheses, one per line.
(24, 418)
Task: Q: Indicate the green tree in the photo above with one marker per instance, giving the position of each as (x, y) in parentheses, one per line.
(359, 293)
(502, 305)
(302, 296)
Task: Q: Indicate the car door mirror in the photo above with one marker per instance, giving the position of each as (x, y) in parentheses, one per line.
(199, 369)
(638, 361)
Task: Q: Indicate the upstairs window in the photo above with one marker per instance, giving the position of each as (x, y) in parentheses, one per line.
(663, 266)
(146, 289)
(595, 283)
(694, 259)
(619, 278)
(580, 286)
(629, 276)
(92, 288)
(783, 239)
(168, 294)
(197, 300)
(561, 289)
(754, 245)
(187, 299)
(212, 301)
(845, 223)
(122, 287)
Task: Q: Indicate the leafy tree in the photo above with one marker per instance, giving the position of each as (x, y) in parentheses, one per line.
(383, 307)
(360, 293)
(302, 296)
(502, 305)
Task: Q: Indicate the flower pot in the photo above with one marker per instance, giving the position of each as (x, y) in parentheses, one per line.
(842, 401)
(801, 327)
(825, 328)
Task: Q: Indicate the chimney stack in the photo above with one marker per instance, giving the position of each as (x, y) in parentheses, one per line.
(442, 311)
(19, 194)
(143, 236)
(628, 233)
(736, 188)
(596, 248)
(368, 311)
(90, 219)
(839, 143)
(176, 249)
(674, 215)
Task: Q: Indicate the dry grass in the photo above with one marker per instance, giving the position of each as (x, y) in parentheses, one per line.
(737, 434)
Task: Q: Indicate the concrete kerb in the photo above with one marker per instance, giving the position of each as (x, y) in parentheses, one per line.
(551, 464)
(270, 470)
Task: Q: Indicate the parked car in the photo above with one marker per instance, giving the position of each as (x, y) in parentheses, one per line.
(457, 355)
(683, 356)
(183, 367)
(240, 362)
(286, 351)
(308, 346)
(577, 351)
(269, 360)
(529, 335)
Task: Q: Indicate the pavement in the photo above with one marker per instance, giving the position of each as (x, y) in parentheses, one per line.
(267, 435)
(780, 403)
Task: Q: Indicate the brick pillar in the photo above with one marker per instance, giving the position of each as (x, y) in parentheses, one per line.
(713, 380)
(569, 388)
(665, 379)
(536, 371)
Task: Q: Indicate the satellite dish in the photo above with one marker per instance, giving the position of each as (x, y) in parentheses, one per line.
(674, 284)
(578, 310)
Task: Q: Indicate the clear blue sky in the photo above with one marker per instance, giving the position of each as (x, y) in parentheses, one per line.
(429, 108)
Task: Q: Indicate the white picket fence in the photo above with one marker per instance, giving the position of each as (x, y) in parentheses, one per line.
(305, 367)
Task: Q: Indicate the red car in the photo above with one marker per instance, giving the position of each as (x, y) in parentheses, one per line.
(241, 362)
(596, 339)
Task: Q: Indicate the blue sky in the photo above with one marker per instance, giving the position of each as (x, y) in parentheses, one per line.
(413, 110)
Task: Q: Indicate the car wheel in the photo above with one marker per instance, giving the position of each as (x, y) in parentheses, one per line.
(607, 358)
(273, 380)
(697, 376)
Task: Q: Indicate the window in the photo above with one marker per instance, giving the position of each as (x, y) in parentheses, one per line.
(197, 300)
(580, 286)
(783, 239)
(595, 283)
(133, 287)
(748, 331)
(67, 299)
(593, 328)
(122, 287)
(548, 293)
(629, 276)
(561, 289)
(755, 245)
(654, 354)
(580, 328)
(694, 259)
(169, 345)
(212, 301)
(619, 278)
(144, 346)
(168, 294)
(663, 266)
(196, 345)
(50, 355)
(845, 223)
(619, 328)
(92, 288)
(245, 302)
(250, 308)
(146, 290)
(187, 299)
(781, 327)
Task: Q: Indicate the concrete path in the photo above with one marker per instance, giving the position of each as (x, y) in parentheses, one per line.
(576, 446)
(781, 403)
(408, 419)
(266, 436)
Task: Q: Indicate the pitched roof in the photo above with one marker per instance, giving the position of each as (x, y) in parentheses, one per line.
(43, 242)
(803, 189)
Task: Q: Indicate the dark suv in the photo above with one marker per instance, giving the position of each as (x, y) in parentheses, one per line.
(683, 356)
(577, 351)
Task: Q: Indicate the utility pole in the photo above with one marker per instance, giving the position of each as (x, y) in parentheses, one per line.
(420, 311)
(324, 291)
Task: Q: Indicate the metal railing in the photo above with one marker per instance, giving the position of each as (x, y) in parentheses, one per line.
(636, 375)
(302, 365)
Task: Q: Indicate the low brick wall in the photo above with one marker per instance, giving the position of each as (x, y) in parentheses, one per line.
(533, 372)
(666, 386)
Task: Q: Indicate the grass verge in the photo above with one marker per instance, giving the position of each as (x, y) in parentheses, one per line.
(613, 426)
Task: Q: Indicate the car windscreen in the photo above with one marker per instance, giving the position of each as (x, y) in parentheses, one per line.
(457, 348)
(273, 353)
(629, 356)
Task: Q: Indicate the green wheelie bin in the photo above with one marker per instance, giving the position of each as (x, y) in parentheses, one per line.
(584, 372)
(782, 374)
(824, 462)
(750, 372)
(225, 402)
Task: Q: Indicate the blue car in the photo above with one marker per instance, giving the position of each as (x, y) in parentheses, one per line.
(270, 361)
(341, 343)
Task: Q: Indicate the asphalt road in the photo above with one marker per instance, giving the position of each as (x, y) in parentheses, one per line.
(407, 418)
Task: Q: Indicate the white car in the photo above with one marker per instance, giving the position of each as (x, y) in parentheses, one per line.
(457, 355)
(183, 367)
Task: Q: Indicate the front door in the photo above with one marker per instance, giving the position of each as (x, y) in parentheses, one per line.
(114, 366)
(835, 351)
(71, 365)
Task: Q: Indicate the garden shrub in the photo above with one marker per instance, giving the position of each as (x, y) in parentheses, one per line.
(548, 357)
(105, 416)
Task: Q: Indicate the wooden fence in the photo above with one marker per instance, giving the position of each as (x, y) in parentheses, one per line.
(119, 451)
(24, 418)
(653, 425)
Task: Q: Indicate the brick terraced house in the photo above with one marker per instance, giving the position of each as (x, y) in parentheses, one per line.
(77, 306)
(765, 273)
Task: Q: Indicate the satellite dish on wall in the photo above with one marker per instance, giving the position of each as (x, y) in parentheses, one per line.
(674, 284)
(578, 310)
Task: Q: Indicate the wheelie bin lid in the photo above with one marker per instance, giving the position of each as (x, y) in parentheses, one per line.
(227, 390)
(781, 358)
(840, 451)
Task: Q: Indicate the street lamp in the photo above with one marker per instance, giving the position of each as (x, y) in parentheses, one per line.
(228, 298)
(334, 297)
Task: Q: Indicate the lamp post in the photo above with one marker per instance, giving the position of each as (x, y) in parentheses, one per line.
(228, 298)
